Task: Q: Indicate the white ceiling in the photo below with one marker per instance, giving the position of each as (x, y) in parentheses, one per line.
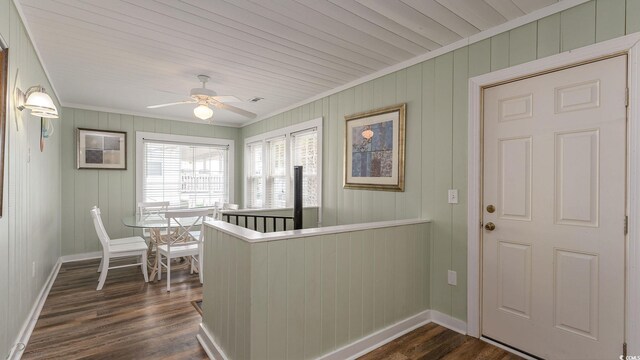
(123, 55)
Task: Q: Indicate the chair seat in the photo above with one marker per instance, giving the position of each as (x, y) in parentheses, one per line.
(128, 240)
(127, 247)
(179, 250)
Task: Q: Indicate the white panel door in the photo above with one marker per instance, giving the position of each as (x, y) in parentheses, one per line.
(554, 172)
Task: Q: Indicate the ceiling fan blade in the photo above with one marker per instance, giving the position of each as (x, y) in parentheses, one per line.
(171, 104)
(226, 98)
(234, 109)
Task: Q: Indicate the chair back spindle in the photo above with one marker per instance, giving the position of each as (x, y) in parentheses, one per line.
(183, 222)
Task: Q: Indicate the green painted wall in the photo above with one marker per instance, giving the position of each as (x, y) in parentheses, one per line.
(436, 95)
(30, 225)
(302, 298)
(113, 190)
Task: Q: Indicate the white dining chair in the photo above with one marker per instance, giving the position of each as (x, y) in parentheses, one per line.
(118, 248)
(217, 208)
(228, 206)
(184, 240)
(148, 208)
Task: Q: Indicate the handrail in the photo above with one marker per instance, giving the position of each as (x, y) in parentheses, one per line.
(252, 236)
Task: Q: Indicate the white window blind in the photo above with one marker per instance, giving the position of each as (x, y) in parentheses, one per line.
(277, 174)
(269, 161)
(186, 175)
(304, 152)
(255, 179)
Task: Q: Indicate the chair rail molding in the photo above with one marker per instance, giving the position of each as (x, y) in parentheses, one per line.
(628, 44)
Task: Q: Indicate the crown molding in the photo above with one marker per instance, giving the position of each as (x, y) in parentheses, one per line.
(23, 19)
(147, 115)
(509, 25)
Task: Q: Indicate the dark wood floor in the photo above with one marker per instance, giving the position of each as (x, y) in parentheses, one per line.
(435, 342)
(128, 319)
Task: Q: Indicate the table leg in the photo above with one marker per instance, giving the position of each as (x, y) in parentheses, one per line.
(152, 252)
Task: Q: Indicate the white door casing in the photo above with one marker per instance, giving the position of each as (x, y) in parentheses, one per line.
(554, 168)
(627, 44)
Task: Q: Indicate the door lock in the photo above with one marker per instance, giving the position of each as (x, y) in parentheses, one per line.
(491, 209)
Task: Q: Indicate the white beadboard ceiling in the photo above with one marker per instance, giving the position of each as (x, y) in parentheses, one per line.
(122, 55)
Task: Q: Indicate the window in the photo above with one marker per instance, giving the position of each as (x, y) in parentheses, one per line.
(184, 170)
(304, 152)
(255, 185)
(277, 176)
(270, 159)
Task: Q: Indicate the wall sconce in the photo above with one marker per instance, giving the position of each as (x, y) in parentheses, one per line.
(36, 100)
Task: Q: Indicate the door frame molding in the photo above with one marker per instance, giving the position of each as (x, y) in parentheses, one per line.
(626, 44)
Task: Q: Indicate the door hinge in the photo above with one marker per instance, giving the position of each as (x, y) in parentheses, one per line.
(624, 350)
(626, 97)
(626, 224)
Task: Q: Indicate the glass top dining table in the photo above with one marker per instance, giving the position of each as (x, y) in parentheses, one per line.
(153, 221)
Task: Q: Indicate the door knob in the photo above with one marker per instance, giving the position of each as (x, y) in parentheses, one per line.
(490, 226)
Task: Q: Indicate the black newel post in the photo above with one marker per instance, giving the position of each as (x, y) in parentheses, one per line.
(297, 197)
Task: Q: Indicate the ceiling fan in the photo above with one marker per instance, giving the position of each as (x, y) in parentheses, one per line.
(205, 97)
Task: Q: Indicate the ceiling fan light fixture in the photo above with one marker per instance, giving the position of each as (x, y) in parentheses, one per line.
(203, 112)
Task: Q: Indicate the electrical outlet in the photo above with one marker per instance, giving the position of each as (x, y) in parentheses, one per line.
(452, 277)
(33, 269)
(453, 196)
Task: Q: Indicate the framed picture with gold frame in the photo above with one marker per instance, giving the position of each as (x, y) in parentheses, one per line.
(4, 74)
(374, 152)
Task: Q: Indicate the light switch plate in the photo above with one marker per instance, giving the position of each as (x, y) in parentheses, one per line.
(453, 196)
(452, 277)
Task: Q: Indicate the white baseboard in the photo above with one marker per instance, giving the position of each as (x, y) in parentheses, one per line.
(209, 345)
(34, 314)
(80, 257)
(379, 338)
(449, 322)
(361, 346)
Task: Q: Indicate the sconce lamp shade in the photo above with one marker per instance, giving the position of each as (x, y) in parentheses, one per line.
(45, 114)
(203, 112)
(38, 101)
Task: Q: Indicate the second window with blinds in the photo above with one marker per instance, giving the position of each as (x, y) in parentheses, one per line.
(269, 162)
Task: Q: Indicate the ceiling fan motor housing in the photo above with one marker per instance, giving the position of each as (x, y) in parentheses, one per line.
(198, 93)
